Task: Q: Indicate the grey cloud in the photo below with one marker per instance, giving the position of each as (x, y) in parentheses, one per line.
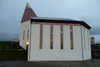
(93, 22)
(95, 31)
(11, 12)
(10, 16)
(5, 36)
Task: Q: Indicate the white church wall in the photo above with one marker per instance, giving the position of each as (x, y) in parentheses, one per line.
(34, 51)
(25, 26)
(77, 43)
(83, 40)
(56, 37)
(66, 36)
(89, 51)
(86, 44)
(55, 54)
(89, 44)
(46, 37)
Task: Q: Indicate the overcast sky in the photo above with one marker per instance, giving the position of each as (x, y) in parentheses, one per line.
(11, 12)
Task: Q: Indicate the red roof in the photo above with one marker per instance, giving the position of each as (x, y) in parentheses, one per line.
(58, 20)
(50, 18)
(28, 13)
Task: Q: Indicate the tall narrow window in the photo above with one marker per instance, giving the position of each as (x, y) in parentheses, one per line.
(41, 35)
(71, 36)
(51, 37)
(27, 34)
(23, 35)
(61, 33)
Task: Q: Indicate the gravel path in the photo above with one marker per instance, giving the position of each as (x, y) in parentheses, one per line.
(21, 63)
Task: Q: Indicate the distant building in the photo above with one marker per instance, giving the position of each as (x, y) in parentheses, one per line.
(92, 40)
(54, 39)
(15, 40)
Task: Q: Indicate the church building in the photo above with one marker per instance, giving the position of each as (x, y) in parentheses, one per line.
(54, 39)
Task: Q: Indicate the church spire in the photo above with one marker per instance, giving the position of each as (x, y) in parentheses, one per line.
(28, 13)
(27, 5)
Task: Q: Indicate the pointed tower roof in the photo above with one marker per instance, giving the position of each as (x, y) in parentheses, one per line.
(28, 13)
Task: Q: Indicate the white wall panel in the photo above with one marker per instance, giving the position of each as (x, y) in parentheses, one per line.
(35, 37)
(66, 36)
(86, 39)
(83, 41)
(25, 26)
(77, 46)
(56, 37)
(83, 37)
(46, 37)
(35, 41)
(89, 44)
(87, 51)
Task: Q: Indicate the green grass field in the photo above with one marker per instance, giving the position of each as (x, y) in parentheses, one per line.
(6, 45)
(8, 51)
(13, 54)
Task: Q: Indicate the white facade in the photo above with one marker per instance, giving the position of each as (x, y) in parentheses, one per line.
(24, 27)
(54, 39)
(81, 43)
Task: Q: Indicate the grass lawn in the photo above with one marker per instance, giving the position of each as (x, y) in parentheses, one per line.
(8, 51)
(6, 45)
(13, 54)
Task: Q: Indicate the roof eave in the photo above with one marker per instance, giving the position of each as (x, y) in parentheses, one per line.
(61, 21)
